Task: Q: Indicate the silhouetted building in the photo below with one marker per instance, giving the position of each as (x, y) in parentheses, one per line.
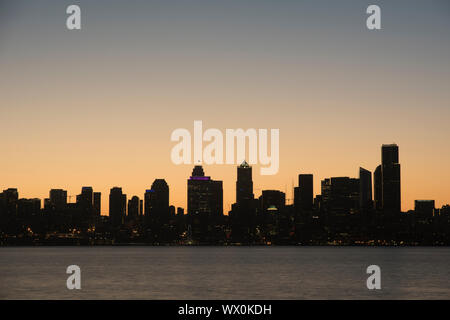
(28, 209)
(304, 193)
(424, 208)
(390, 173)
(243, 213)
(377, 186)
(86, 198)
(244, 183)
(204, 205)
(340, 195)
(365, 189)
(205, 196)
(133, 207)
(272, 204)
(117, 209)
(58, 198)
(270, 199)
(9, 202)
(159, 203)
(97, 203)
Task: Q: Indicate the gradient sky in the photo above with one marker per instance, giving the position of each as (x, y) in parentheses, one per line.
(96, 107)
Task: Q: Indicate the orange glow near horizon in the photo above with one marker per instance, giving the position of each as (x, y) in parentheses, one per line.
(96, 107)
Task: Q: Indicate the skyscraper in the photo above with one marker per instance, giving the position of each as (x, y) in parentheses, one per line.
(204, 194)
(365, 189)
(303, 194)
(377, 188)
(244, 183)
(340, 194)
(424, 209)
(116, 206)
(8, 209)
(86, 198)
(133, 207)
(97, 203)
(58, 198)
(204, 205)
(242, 216)
(390, 173)
(272, 199)
(159, 203)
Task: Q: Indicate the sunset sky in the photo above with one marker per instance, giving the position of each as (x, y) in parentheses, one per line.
(96, 106)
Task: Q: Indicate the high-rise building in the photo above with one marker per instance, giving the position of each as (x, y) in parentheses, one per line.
(204, 205)
(340, 195)
(365, 189)
(242, 216)
(159, 202)
(424, 208)
(390, 173)
(377, 188)
(8, 204)
(97, 203)
(117, 206)
(58, 198)
(204, 194)
(244, 183)
(134, 207)
(303, 194)
(86, 198)
(28, 208)
(272, 199)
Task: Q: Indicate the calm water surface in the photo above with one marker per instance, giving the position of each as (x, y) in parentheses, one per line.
(224, 272)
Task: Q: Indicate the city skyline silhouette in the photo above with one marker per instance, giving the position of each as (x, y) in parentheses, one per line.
(346, 212)
(97, 106)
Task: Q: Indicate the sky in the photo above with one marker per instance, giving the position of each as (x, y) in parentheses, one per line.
(97, 106)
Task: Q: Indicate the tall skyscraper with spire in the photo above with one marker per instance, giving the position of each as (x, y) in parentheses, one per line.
(244, 183)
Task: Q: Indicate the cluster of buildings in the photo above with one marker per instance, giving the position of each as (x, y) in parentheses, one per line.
(345, 213)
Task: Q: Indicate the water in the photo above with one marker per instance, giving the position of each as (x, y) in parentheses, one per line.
(224, 272)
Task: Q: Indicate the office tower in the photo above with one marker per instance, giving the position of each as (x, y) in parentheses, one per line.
(365, 189)
(244, 183)
(377, 186)
(205, 196)
(133, 207)
(272, 199)
(27, 209)
(390, 174)
(424, 208)
(172, 211)
(8, 209)
(58, 199)
(147, 195)
(141, 207)
(204, 206)
(242, 216)
(159, 202)
(272, 208)
(8, 205)
(304, 194)
(340, 195)
(85, 199)
(97, 203)
(116, 206)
